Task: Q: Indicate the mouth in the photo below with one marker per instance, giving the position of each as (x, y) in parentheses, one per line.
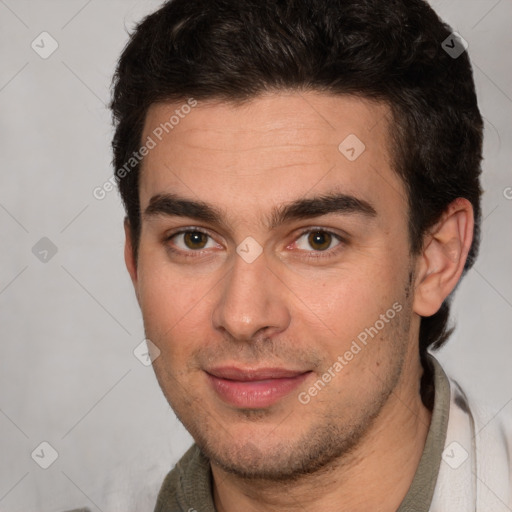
(254, 388)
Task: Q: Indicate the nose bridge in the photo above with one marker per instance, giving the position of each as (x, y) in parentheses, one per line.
(251, 300)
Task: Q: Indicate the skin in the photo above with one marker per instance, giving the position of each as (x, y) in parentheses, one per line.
(361, 437)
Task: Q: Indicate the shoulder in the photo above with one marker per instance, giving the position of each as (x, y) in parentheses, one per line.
(477, 458)
(133, 485)
(187, 483)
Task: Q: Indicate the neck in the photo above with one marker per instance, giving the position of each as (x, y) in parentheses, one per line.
(382, 465)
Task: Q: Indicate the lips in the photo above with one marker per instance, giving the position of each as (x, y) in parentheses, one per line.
(254, 388)
(246, 375)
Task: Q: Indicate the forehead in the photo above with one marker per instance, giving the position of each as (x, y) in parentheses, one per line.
(272, 148)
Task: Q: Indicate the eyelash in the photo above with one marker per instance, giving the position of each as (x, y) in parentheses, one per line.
(328, 253)
(309, 254)
(186, 254)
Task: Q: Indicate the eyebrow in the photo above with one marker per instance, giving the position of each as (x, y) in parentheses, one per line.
(176, 206)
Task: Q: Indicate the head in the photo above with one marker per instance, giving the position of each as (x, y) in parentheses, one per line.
(263, 96)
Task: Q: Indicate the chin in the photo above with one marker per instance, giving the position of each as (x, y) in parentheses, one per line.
(257, 455)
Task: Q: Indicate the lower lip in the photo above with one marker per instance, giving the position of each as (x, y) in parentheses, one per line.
(255, 394)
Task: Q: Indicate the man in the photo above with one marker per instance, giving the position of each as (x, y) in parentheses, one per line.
(301, 182)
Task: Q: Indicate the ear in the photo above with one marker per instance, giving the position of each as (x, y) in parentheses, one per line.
(128, 253)
(445, 249)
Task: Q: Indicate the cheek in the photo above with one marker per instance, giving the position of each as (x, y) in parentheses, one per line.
(163, 299)
(347, 300)
(176, 309)
(363, 315)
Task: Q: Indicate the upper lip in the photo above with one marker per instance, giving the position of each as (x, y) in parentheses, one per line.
(252, 374)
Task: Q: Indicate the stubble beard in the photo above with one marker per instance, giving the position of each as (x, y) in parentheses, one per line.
(332, 441)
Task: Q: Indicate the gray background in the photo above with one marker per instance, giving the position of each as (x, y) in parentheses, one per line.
(68, 375)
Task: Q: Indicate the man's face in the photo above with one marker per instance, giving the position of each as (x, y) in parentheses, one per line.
(253, 302)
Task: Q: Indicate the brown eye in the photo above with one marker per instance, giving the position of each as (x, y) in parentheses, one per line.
(195, 239)
(320, 240)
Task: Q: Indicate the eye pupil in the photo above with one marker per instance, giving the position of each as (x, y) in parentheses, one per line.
(320, 240)
(195, 239)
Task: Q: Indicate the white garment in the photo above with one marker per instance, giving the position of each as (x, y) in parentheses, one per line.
(476, 473)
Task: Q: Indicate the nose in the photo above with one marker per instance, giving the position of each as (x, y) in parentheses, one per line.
(252, 301)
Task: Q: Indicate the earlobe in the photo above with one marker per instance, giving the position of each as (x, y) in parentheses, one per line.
(443, 257)
(129, 259)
